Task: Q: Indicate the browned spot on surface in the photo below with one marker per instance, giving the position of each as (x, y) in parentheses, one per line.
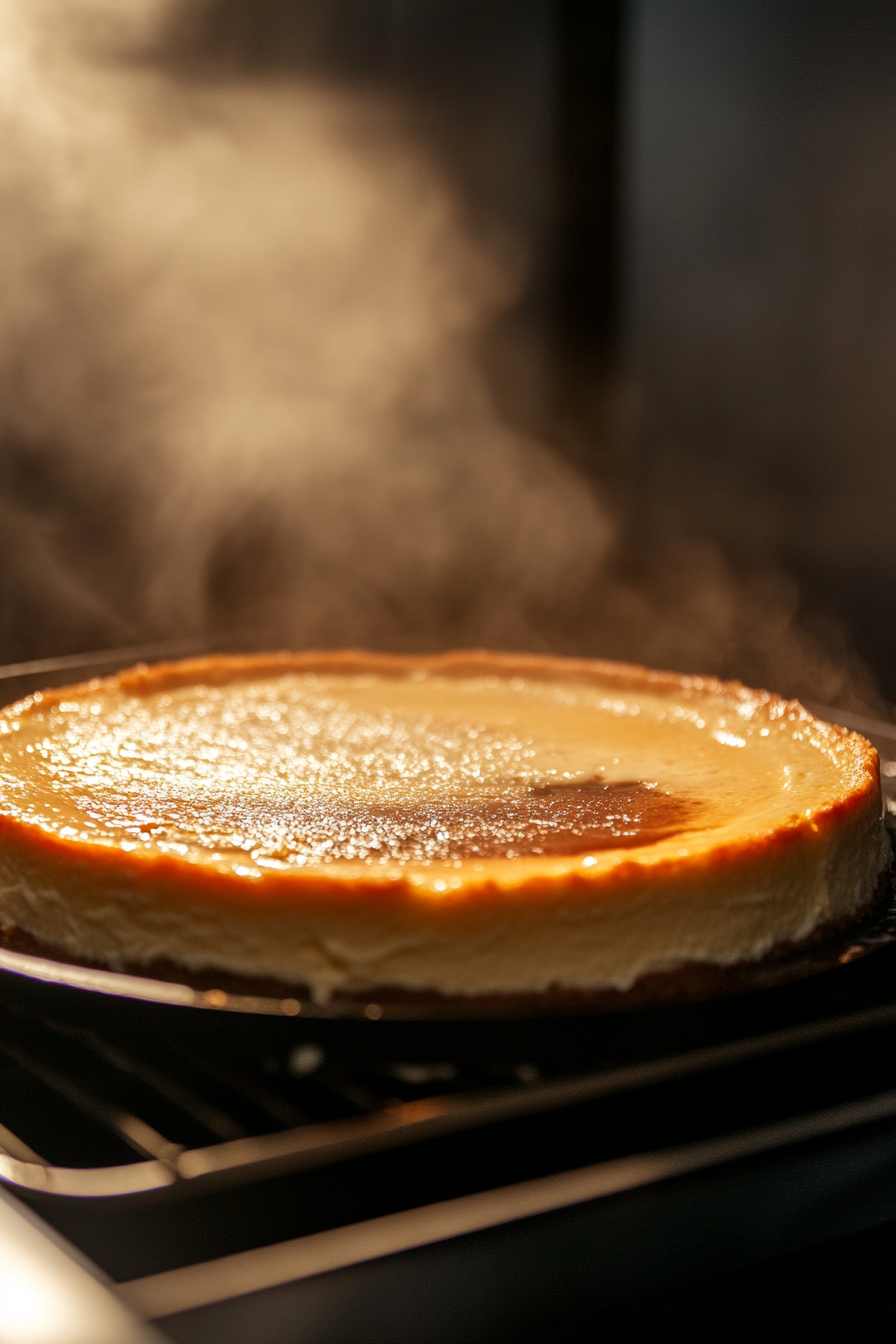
(552, 820)
(564, 819)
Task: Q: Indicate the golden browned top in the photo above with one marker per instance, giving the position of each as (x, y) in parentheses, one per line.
(297, 763)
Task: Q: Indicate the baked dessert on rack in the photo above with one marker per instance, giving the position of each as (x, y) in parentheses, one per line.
(471, 826)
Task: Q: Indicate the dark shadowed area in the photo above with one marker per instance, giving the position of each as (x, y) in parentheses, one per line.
(762, 254)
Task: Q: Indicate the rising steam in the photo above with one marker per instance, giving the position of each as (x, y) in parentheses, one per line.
(238, 385)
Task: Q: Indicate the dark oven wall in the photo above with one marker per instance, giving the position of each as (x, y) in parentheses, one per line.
(762, 206)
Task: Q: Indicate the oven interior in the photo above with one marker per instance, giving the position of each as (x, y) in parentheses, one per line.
(248, 1176)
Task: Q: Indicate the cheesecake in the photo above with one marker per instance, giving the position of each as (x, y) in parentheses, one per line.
(470, 826)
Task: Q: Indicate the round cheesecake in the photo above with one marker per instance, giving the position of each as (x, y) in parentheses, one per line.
(470, 825)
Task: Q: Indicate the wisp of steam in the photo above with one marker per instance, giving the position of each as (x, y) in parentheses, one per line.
(239, 385)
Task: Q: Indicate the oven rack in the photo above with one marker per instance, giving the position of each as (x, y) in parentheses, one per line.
(323, 1114)
(814, 1103)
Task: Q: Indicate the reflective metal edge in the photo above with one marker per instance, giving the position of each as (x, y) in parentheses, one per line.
(100, 981)
(86, 1182)
(177, 1290)
(104, 658)
(124, 985)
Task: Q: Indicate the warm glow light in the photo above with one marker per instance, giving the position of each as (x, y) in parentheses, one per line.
(47, 1297)
(31, 1305)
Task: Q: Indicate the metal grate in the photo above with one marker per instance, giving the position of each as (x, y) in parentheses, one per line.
(112, 1112)
(92, 1101)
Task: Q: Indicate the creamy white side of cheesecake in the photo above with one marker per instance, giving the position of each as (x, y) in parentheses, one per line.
(236, 783)
(582, 941)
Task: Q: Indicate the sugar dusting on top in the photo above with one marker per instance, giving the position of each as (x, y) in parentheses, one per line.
(304, 768)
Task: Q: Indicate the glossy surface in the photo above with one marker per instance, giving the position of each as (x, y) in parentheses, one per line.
(308, 769)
